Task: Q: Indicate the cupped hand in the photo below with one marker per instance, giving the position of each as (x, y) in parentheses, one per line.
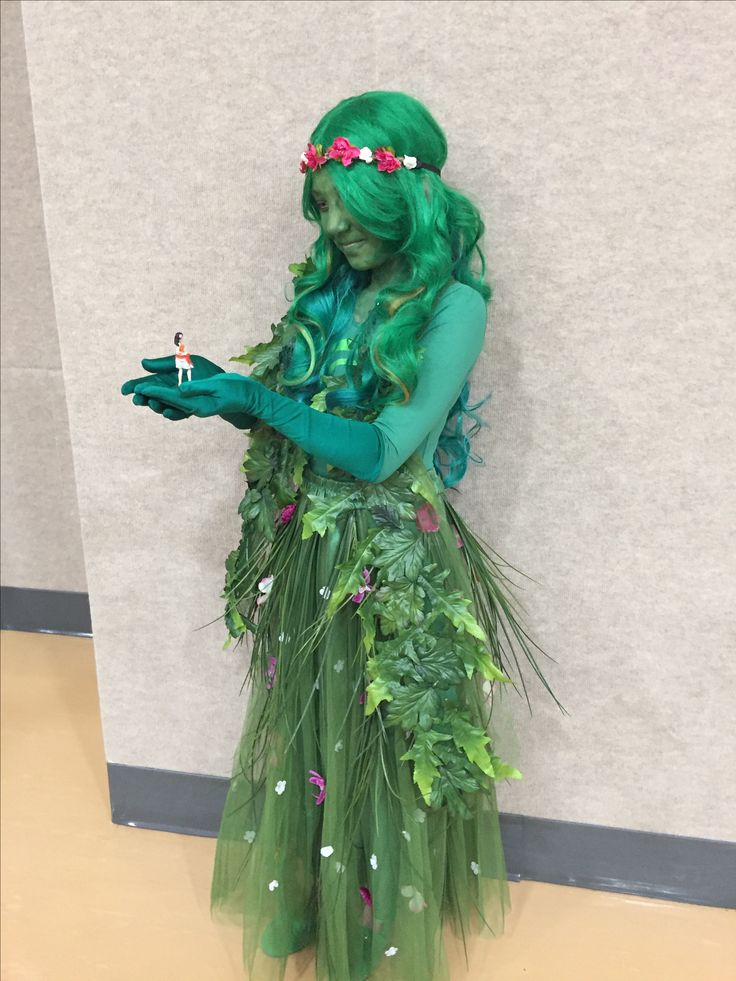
(164, 375)
(223, 394)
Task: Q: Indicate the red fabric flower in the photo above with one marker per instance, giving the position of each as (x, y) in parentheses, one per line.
(386, 160)
(312, 158)
(343, 149)
(427, 518)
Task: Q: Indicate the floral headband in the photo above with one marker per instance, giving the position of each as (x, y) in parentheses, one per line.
(342, 149)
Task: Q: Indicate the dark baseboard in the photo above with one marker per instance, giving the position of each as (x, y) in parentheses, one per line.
(688, 870)
(660, 866)
(45, 611)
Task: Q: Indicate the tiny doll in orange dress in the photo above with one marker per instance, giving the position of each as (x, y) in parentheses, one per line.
(182, 359)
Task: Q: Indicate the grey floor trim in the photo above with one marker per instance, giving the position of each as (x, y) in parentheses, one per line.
(682, 869)
(45, 611)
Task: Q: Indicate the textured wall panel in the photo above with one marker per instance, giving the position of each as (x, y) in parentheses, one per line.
(596, 137)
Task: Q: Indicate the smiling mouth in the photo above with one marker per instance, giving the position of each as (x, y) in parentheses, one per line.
(347, 245)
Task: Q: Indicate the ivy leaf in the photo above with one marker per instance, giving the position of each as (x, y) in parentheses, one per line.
(504, 771)
(414, 706)
(472, 741)
(454, 607)
(400, 554)
(264, 357)
(377, 691)
(257, 463)
(400, 605)
(323, 514)
(475, 657)
(425, 761)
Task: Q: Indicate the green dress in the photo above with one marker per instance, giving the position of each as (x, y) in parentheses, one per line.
(361, 814)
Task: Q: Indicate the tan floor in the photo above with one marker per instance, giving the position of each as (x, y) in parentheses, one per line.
(86, 900)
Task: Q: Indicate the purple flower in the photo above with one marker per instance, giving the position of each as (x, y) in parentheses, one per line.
(319, 782)
(365, 588)
(271, 671)
(365, 895)
(287, 513)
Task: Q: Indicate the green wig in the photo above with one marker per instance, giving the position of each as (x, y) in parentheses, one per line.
(433, 226)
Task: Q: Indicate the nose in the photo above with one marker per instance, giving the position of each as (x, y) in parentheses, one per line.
(336, 221)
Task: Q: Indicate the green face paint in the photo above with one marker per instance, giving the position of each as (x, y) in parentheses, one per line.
(361, 249)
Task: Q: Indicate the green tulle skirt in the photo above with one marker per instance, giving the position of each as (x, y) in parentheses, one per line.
(361, 814)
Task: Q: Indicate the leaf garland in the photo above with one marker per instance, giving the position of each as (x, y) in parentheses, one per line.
(423, 644)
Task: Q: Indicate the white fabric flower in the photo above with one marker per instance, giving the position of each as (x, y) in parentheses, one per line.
(420, 815)
(406, 835)
(409, 162)
(249, 836)
(390, 951)
(326, 850)
(475, 867)
(339, 867)
(366, 154)
(273, 884)
(325, 592)
(316, 683)
(265, 588)
(339, 665)
(283, 638)
(280, 787)
(374, 861)
(338, 745)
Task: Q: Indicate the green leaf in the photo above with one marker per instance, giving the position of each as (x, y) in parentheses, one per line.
(323, 514)
(453, 606)
(475, 657)
(425, 761)
(505, 772)
(472, 741)
(377, 691)
(367, 614)
(400, 605)
(400, 554)
(350, 573)
(414, 706)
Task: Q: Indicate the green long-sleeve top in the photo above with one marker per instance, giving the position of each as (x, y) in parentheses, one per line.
(372, 451)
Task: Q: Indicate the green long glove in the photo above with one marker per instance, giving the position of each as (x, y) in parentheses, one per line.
(370, 451)
(166, 375)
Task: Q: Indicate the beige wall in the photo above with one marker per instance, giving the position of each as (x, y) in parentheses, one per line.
(597, 138)
(41, 538)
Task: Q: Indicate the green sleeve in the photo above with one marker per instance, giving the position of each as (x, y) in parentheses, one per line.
(372, 451)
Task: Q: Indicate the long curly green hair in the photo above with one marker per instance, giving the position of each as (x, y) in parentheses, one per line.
(437, 230)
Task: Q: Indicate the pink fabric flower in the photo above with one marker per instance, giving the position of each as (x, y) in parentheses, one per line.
(271, 671)
(458, 539)
(287, 513)
(365, 895)
(386, 160)
(427, 518)
(365, 588)
(312, 158)
(343, 149)
(319, 782)
(362, 697)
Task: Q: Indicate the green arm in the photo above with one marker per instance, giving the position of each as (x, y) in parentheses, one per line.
(372, 451)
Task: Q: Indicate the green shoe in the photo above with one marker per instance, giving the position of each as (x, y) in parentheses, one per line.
(287, 934)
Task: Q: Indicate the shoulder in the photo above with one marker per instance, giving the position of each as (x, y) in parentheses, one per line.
(459, 310)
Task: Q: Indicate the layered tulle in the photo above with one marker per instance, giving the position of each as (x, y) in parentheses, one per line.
(361, 815)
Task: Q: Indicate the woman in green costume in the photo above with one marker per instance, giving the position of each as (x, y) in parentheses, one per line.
(361, 813)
